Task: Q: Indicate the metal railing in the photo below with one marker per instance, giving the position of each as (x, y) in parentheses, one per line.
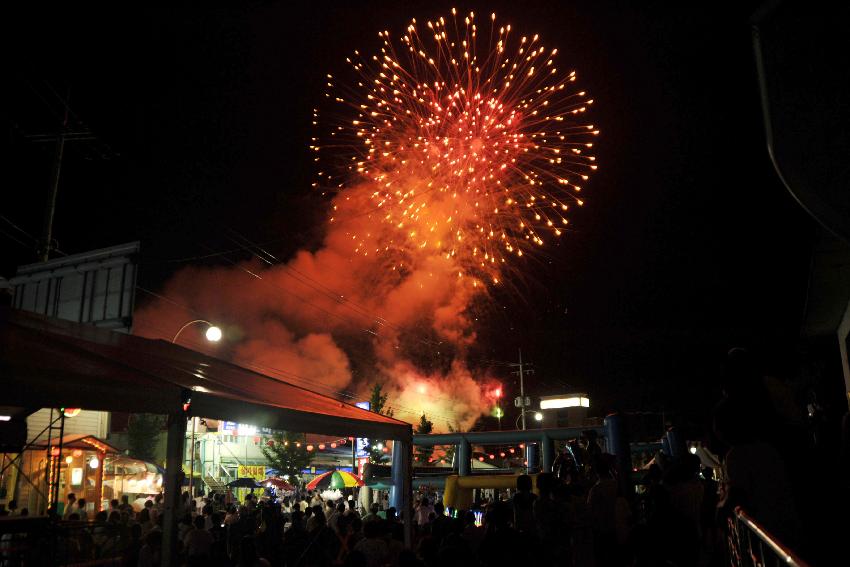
(751, 545)
(43, 541)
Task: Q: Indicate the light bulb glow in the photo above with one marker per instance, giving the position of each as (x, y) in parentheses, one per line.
(213, 334)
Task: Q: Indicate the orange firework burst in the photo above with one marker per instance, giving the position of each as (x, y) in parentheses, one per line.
(467, 143)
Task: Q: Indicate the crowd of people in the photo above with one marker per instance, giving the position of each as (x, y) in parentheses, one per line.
(577, 515)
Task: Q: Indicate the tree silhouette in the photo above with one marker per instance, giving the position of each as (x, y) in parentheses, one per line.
(287, 452)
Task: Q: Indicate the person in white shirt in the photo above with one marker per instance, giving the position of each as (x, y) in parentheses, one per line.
(69, 507)
(316, 500)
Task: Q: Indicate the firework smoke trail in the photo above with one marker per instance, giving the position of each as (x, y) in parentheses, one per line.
(472, 152)
(446, 160)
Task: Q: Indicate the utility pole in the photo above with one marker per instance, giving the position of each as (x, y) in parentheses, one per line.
(65, 134)
(522, 402)
(50, 206)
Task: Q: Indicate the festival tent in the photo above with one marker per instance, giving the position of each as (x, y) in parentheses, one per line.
(53, 363)
(47, 362)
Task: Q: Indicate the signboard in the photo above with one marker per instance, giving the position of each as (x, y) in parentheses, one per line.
(362, 443)
(257, 472)
(95, 287)
(243, 429)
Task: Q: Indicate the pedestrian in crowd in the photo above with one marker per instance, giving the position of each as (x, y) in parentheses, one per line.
(69, 506)
(125, 507)
(373, 545)
(523, 505)
(198, 543)
(150, 553)
(372, 516)
(352, 510)
(81, 509)
(423, 512)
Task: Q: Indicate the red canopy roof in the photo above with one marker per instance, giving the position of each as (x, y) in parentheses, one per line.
(48, 362)
(81, 441)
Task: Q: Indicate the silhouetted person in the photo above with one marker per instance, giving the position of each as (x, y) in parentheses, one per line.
(755, 474)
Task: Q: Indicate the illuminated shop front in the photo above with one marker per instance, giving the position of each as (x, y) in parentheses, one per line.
(88, 468)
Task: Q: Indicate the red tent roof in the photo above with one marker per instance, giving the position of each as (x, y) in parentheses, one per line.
(48, 362)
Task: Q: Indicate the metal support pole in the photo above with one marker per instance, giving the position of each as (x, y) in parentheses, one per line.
(463, 456)
(397, 475)
(402, 491)
(173, 480)
(677, 444)
(531, 457)
(547, 450)
(618, 445)
(192, 460)
(521, 391)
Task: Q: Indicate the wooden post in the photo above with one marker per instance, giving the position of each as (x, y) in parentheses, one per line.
(98, 482)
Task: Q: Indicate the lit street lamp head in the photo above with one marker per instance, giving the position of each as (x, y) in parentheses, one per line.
(213, 334)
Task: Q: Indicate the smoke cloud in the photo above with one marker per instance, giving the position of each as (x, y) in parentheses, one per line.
(364, 308)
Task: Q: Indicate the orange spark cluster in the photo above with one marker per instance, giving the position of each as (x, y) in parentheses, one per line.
(469, 143)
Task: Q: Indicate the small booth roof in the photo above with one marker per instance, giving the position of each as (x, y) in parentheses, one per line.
(47, 362)
(81, 441)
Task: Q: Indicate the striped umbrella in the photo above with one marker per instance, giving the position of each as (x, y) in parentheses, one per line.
(334, 480)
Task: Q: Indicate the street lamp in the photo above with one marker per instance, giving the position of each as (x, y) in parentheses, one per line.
(538, 416)
(213, 333)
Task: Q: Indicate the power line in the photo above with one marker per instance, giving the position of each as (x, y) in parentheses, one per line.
(291, 376)
(327, 291)
(15, 239)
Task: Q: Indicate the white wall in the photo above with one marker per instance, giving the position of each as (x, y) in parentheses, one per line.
(86, 422)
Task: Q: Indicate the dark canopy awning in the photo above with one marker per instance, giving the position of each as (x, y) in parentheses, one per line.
(53, 363)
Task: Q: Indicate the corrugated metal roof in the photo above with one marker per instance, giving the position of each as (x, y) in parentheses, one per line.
(52, 363)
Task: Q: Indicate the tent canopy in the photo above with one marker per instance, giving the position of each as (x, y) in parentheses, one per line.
(48, 362)
(81, 441)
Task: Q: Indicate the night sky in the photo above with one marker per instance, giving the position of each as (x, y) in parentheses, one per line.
(688, 244)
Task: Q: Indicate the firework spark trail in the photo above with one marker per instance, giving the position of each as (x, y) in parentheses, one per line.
(475, 153)
(449, 158)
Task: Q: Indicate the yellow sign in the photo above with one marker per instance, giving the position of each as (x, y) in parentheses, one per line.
(257, 472)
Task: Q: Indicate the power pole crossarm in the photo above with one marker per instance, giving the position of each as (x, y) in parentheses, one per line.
(521, 372)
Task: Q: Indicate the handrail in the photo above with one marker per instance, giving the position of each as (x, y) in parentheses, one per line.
(783, 554)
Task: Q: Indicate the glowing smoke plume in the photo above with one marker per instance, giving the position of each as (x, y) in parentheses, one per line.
(442, 162)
